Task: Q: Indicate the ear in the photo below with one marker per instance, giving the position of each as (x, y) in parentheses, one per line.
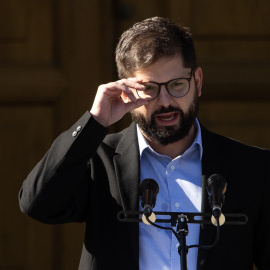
(198, 80)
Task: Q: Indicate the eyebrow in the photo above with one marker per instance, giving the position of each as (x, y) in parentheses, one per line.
(168, 80)
(182, 77)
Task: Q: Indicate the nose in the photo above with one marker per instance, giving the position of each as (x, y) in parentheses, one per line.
(164, 98)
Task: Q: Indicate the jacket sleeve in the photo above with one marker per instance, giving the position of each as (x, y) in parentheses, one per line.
(56, 189)
(262, 231)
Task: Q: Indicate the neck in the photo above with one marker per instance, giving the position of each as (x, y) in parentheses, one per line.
(175, 149)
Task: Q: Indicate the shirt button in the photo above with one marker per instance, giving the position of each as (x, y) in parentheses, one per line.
(74, 134)
(202, 262)
(177, 205)
(79, 128)
(172, 168)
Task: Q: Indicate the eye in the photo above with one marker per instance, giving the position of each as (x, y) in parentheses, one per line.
(177, 84)
(150, 87)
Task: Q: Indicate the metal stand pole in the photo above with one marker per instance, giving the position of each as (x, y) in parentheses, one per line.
(182, 232)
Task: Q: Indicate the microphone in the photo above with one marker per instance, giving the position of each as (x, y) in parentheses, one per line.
(216, 188)
(148, 190)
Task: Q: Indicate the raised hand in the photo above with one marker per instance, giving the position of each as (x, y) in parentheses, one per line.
(113, 100)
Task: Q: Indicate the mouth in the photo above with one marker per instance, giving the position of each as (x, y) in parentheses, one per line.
(167, 118)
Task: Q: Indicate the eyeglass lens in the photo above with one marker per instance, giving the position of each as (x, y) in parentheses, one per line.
(176, 88)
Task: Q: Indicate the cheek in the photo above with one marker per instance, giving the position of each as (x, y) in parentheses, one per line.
(185, 103)
(141, 110)
(144, 110)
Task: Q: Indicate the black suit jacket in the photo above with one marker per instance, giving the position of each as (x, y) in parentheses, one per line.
(89, 177)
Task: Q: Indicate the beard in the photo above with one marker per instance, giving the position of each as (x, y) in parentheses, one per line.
(164, 135)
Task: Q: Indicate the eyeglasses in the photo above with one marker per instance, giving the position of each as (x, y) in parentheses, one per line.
(176, 88)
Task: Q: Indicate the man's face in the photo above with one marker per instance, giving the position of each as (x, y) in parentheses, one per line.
(167, 119)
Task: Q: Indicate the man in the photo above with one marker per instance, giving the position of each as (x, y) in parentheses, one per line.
(89, 176)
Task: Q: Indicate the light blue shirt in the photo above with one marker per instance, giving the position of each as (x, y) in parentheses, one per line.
(180, 190)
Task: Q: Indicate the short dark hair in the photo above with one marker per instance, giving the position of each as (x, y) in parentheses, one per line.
(147, 41)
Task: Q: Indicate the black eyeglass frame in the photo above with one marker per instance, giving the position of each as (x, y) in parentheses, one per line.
(166, 85)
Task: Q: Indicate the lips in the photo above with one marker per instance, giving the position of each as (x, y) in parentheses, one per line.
(167, 118)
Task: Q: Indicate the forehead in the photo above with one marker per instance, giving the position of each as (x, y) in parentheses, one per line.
(163, 70)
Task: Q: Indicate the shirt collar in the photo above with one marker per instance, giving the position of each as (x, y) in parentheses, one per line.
(143, 144)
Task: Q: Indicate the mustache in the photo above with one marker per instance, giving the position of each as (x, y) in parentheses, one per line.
(166, 110)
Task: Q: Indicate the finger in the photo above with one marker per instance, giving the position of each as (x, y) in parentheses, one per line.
(120, 87)
(133, 83)
(134, 105)
(131, 88)
(125, 97)
(129, 96)
(126, 85)
(128, 89)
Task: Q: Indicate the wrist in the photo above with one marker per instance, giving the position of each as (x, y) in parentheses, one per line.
(99, 119)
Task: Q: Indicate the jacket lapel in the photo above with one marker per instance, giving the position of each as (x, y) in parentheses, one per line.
(126, 162)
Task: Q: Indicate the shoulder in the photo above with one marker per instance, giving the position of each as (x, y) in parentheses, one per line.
(231, 146)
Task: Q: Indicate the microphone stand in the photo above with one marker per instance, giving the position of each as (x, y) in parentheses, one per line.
(182, 232)
(181, 220)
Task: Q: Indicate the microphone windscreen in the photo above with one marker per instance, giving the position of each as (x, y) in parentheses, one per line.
(216, 181)
(148, 190)
(216, 188)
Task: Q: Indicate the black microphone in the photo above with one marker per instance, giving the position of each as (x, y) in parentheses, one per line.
(148, 190)
(216, 188)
